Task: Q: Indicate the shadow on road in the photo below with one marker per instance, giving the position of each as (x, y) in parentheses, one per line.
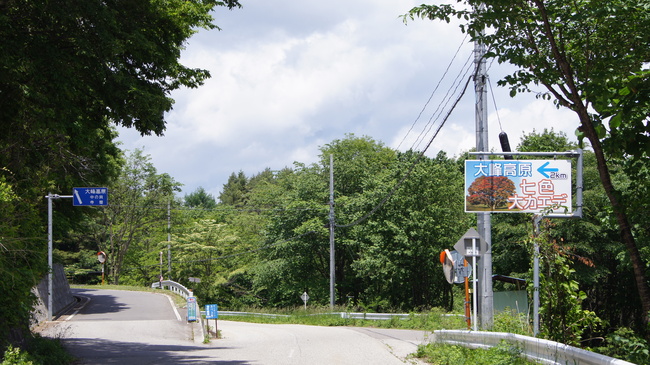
(96, 351)
(101, 303)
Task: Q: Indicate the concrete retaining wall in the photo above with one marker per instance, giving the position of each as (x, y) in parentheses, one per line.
(61, 298)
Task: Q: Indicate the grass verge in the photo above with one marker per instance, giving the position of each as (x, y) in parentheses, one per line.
(438, 354)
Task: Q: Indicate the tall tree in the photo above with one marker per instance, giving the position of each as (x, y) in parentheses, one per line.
(137, 209)
(583, 53)
(235, 190)
(399, 244)
(200, 199)
(69, 72)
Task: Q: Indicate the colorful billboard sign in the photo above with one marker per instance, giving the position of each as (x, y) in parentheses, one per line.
(518, 186)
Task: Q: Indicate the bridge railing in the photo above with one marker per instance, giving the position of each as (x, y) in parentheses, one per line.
(174, 287)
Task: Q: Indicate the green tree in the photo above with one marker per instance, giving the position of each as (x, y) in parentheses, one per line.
(563, 318)
(136, 213)
(200, 251)
(386, 258)
(295, 257)
(200, 199)
(69, 71)
(400, 244)
(583, 53)
(234, 191)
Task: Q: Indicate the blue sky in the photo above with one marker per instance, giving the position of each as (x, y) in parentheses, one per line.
(289, 77)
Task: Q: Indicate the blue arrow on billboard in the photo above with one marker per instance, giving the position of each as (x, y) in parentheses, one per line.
(543, 169)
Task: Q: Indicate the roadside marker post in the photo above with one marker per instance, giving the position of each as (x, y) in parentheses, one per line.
(305, 298)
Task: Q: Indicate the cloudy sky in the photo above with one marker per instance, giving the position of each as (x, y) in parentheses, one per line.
(289, 77)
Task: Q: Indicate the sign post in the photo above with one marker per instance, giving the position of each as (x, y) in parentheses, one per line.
(212, 312)
(305, 298)
(473, 245)
(101, 257)
(521, 186)
(456, 270)
(80, 198)
(542, 187)
(89, 196)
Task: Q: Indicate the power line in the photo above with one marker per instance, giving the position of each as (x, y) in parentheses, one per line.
(251, 209)
(447, 98)
(229, 255)
(494, 101)
(463, 73)
(399, 184)
(434, 91)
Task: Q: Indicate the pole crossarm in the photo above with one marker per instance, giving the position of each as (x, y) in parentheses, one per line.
(57, 196)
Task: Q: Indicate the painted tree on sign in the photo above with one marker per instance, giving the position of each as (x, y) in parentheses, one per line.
(491, 191)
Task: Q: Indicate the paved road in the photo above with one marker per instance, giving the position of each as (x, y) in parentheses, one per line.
(123, 327)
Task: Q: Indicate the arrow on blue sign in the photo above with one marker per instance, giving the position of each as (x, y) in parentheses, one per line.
(543, 169)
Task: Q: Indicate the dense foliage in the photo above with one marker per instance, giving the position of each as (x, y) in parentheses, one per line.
(69, 72)
(271, 243)
(588, 55)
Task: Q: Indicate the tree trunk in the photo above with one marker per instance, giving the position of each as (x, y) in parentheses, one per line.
(621, 215)
(575, 102)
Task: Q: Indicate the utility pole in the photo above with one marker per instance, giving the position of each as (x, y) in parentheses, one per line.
(169, 239)
(332, 254)
(484, 223)
(50, 291)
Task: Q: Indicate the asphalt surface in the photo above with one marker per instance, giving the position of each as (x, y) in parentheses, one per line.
(124, 327)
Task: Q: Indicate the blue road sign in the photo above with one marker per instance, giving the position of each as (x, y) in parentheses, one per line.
(89, 196)
(211, 311)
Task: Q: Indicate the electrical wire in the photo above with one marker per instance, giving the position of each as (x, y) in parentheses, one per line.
(434, 91)
(446, 100)
(494, 101)
(252, 209)
(417, 160)
(229, 255)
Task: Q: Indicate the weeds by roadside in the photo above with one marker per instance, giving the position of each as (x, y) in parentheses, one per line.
(38, 351)
(323, 316)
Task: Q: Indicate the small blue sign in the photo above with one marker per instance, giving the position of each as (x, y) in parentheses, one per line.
(211, 311)
(89, 196)
(191, 309)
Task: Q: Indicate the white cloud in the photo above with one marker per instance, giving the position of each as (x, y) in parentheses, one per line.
(287, 79)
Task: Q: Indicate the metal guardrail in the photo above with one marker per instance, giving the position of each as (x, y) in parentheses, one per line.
(250, 314)
(346, 315)
(536, 349)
